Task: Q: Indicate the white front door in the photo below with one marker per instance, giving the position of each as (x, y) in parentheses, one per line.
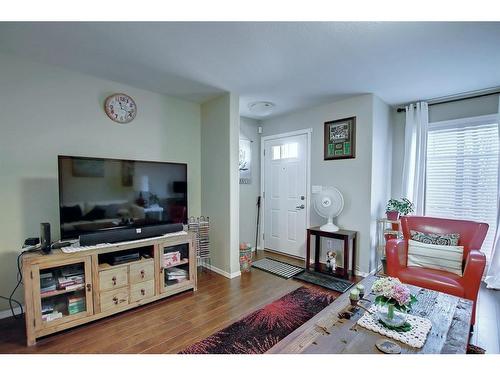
(285, 188)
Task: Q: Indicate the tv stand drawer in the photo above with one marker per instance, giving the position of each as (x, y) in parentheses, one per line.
(114, 299)
(113, 279)
(142, 290)
(142, 271)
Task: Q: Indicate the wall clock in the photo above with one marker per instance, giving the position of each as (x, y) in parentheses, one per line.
(120, 108)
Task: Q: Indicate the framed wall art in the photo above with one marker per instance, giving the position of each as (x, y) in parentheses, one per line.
(245, 162)
(340, 139)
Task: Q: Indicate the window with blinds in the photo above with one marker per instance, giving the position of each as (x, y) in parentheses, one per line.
(462, 172)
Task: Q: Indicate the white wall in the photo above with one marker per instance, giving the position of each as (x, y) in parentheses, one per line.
(46, 111)
(381, 167)
(250, 192)
(485, 105)
(353, 177)
(220, 182)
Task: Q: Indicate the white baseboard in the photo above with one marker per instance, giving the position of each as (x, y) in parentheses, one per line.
(222, 272)
(7, 313)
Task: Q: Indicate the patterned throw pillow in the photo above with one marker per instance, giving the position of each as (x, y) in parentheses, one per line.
(435, 239)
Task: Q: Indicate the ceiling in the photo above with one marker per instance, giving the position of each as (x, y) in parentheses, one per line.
(294, 65)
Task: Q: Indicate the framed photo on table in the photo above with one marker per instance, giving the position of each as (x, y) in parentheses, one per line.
(340, 139)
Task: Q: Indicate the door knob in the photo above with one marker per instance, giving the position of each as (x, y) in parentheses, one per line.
(301, 207)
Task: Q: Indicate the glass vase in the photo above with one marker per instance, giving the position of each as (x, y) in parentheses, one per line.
(391, 316)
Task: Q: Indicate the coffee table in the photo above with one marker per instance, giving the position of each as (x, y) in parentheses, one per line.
(327, 333)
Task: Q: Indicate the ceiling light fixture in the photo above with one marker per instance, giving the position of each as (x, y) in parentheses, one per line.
(261, 108)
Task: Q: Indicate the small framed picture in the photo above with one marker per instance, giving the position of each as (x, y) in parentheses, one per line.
(340, 139)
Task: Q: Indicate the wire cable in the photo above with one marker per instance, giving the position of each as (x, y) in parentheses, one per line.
(19, 276)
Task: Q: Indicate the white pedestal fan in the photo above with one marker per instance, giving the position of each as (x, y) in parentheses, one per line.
(328, 203)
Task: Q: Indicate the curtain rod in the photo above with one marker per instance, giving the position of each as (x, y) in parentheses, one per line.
(457, 99)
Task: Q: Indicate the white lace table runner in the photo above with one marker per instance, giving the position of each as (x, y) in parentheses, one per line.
(415, 337)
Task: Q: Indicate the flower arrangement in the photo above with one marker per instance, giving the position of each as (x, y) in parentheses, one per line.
(391, 292)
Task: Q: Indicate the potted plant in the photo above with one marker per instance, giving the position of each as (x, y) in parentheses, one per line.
(397, 207)
(393, 300)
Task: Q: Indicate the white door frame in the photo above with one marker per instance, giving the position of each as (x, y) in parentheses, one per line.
(308, 133)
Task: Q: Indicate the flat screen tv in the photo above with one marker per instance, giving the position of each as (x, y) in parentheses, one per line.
(97, 194)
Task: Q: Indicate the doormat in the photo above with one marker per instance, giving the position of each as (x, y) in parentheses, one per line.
(324, 280)
(261, 330)
(276, 267)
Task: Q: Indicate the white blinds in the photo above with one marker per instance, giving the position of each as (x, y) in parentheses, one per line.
(462, 172)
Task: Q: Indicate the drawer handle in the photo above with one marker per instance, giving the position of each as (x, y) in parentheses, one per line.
(142, 274)
(143, 292)
(89, 287)
(115, 300)
(114, 280)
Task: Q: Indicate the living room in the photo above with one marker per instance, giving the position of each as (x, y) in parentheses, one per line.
(249, 187)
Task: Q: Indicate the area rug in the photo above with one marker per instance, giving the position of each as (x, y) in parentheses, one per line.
(324, 280)
(261, 330)
(276, 267)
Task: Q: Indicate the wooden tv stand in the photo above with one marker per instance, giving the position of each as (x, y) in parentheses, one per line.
(102, 289)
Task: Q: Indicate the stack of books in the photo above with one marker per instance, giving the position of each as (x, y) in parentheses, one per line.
(71, 282)
(47, 282)
(71, 277)
(176, 275)
(76, 305)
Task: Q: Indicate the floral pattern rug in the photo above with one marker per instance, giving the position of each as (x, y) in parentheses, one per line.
(261, 330)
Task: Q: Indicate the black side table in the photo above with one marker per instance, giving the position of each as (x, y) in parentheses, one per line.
(345, 235)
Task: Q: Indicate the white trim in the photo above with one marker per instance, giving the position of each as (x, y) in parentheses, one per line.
(7, 313)
(308, 133)
(466, 121)
(222, 272)
(287, 134)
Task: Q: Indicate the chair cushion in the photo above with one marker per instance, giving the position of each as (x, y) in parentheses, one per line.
(438, 280)
(445, 258)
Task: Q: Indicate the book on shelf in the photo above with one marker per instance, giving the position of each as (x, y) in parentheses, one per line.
(52, 316)
(76, 304)
(47, 307)
(48, 289)
(47, 282)
(46, 275)
(180, 278)
(65, 282)
(176, 271)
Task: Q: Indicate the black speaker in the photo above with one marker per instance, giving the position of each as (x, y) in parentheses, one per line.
(127, 234)
(45, 237)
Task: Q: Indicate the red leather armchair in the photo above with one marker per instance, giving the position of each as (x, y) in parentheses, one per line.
(472, 235)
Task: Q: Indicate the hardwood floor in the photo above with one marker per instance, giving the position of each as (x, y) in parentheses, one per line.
(487, 330)
(170, 325)
(165, 326)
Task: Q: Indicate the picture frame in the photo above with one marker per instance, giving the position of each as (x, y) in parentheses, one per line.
(340, 139)
(245, 161)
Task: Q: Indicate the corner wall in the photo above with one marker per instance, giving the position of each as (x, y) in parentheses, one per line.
(219, 180)
(381, 173)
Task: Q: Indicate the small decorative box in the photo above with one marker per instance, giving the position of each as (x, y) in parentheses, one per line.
(171, 259)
